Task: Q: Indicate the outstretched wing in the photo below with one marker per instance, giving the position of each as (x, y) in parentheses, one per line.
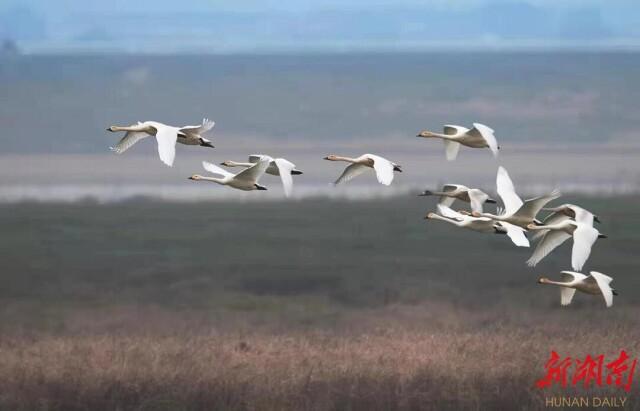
(351, 171)
(507, 192)
(284, 168)
(167, 138)
(547, 244)
(583, 239)
(200, 129)
(254, 172)
(254, 158)
(451, 149)
(516, 234)
(477, 199)
(487, 134)
(532, 207)
(212, 168)
(383, 168)
(129, 139)
(445, 211)
(603, 282)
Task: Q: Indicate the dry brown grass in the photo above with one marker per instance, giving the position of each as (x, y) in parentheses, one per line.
(393, 358)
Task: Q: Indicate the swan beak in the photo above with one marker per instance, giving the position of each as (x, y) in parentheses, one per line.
(207, 144)
(325, 158)
(191, 178)
(491, 201)
(397, 168)
(603, 236)
(425, 193)
(296, 172)
(109, 129)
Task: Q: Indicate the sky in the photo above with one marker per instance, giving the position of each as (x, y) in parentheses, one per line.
(333, 25)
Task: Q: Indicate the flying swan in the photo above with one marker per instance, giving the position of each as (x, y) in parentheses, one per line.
(453, 192)
(584, 236)
(480, 136)
(384, 168)
(166, 136)
(277, 167)
(246, 180)
(595, 284)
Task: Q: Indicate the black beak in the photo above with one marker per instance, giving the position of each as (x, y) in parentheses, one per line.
(602, 236)
(207, 144)
(259, 187)
(614, 292)
(425, 193)
(596, 219)
(397, 168)
(325, 158)
(491, 201)
(108, 128)
(190, 178)
(296, 172)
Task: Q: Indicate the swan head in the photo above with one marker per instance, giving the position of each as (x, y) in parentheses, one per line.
(205, 143)
(531, 226)
(475, 214)
(425, 133)
(195, 177)
(429, 216)
(331, 157)
(113, 129)
(543, 280)
(227, 163)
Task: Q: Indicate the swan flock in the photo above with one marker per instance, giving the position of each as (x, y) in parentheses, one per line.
(517, 219)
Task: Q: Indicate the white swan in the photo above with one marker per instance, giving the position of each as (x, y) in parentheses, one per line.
(479, 136)
(277, 167)
(566, 212)
(453, 192)
(246, 180)
(595, 284)
(516, 211)
(584, 236)
(166, 136)
(384, 168)
(480, 224)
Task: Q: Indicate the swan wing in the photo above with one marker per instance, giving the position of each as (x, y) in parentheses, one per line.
(253, 173)
(451, 149)
(477, 199)
(351, 171)
(445, 211)
(166, 138)
(447, 188)
(566, 295)
(447, 201)
(547, 244)
(603, 282)
(583, 239)
(254, 158)
(383, 168)
(285, 167)
(571, 276)
(129, 139)
(487, 134)
(582, 216)
(532, 207)
(199, 129)
(507, 192)
(214, 169)
(452, 130)
(516, 234)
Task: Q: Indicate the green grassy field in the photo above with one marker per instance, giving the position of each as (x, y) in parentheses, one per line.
(314, 304)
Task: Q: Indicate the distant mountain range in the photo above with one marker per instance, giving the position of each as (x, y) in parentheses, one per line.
(487, 25)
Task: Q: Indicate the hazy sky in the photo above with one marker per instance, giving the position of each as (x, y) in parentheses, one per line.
(215, 25)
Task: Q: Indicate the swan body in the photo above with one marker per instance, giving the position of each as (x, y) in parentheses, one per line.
(383, 168)
(277, 167)
(584, 236)
(480, 224)
(452, 192)
(594, 284)
(166, 137)
(246, 180)
(516, 211)
(479, 136)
